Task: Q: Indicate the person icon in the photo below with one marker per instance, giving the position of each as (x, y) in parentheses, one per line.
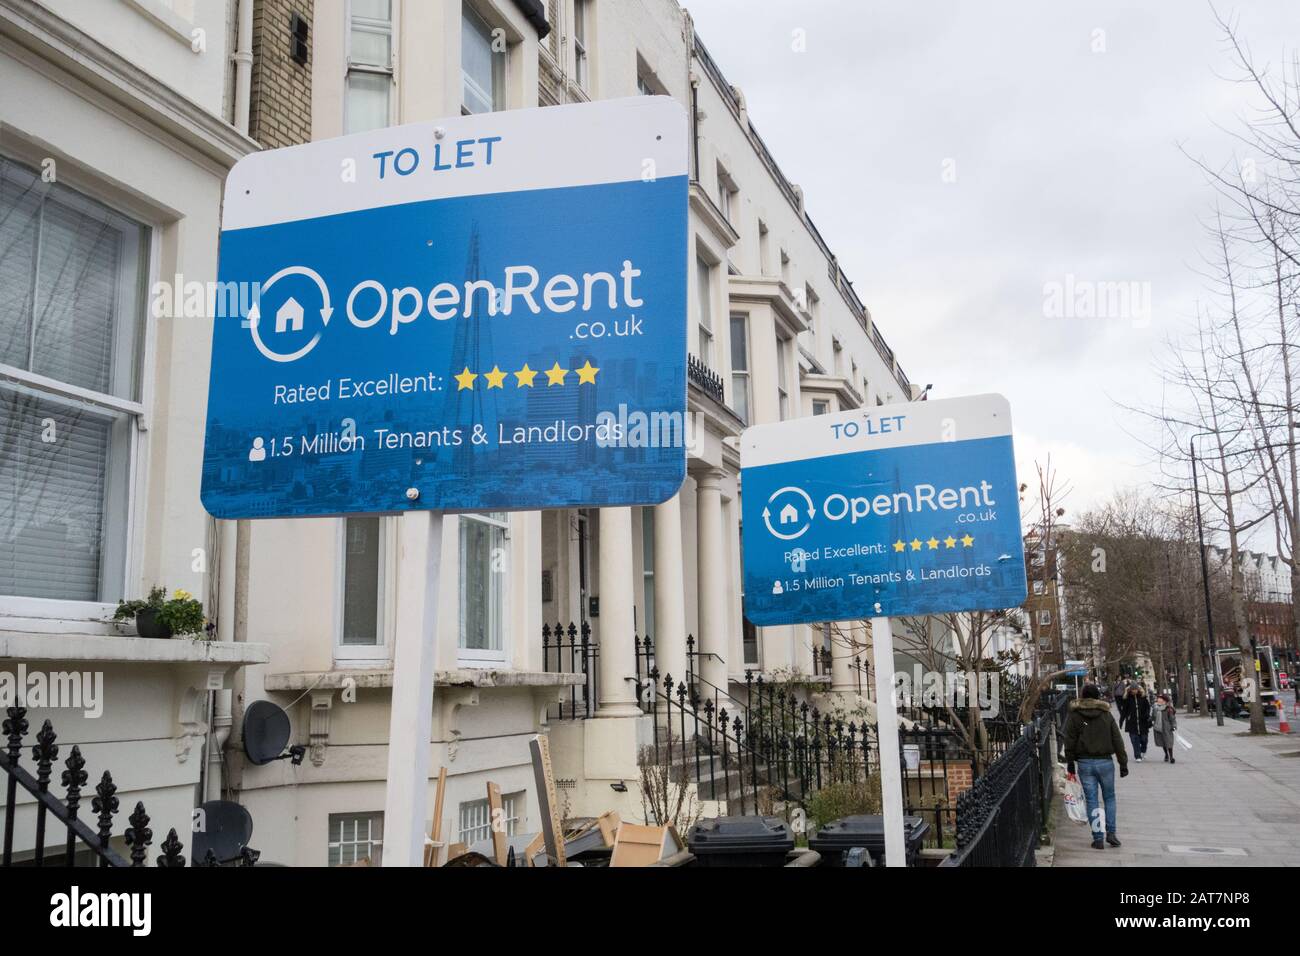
(257, 452)
(776, 588)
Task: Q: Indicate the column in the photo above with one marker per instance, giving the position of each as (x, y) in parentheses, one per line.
(711, 642)
(670, 590)
(617, 624)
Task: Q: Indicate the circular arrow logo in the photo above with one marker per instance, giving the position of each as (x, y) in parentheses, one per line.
(255, 314)
(799, 519)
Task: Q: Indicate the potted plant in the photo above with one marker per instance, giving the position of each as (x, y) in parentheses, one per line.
(161, 617)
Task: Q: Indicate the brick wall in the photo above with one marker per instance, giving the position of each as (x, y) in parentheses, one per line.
(280, 99)
(960, 778)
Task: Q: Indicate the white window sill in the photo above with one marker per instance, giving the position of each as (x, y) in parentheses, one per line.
(369, 677)
(31, 646)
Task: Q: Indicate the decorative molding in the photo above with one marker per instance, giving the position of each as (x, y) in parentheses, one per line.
(60, 43)
(449, 704)
(322, 703)
(191, 728)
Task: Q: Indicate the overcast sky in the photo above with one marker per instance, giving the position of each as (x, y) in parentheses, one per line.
(1063, 122)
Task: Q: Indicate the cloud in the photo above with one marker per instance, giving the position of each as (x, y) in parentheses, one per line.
(1068, 163)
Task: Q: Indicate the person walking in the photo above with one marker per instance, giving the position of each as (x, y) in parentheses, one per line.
(1164, 721)
(1092, 744)
(1135, 718)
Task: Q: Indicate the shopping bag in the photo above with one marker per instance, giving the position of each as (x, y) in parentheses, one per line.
(1074, 803)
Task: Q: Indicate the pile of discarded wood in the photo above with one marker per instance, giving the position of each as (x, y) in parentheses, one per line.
(601, 841)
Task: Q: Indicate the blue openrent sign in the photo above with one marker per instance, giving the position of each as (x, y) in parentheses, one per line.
(893, 510)
(482, 313)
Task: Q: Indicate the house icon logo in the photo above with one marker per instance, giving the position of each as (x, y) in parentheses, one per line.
(289, 316)
(292, 315)
(794, 512)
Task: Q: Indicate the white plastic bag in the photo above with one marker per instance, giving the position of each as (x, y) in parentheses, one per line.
(1074, 802)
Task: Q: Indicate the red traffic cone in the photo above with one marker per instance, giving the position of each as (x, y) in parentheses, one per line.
(1282, 726)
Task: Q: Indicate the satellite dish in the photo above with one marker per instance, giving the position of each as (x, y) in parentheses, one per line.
(222, 826)
(266, 732)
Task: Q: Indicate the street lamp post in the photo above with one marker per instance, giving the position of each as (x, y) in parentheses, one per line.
(1205, 575)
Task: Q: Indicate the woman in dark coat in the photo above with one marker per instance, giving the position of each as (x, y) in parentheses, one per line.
(1135, 718)
(1164, 721)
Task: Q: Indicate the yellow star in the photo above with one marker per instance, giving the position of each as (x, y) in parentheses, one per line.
(465, 380)
(967, 541)
(555, 375)
(525, 376)
(933, 544)
(587, 373)
(900, 545)
(495, 377)
(950, 542)
(916, 545)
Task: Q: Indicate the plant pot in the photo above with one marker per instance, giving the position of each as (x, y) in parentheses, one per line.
(148, 625)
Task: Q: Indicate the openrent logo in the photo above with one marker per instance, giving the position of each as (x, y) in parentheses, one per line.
(371, 303)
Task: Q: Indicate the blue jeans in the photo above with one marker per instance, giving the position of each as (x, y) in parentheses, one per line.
(1098, 774)
(1139, 743)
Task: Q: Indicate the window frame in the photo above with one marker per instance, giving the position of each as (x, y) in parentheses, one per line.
(782, 378)
(512, 806)
(370, 68)
(70, 615)
(498, 97)
(704, 299)
(371, 817)
(746, 374)
(381, 652)
(474, 656)
(581, 46)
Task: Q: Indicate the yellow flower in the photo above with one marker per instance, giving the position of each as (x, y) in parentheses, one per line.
(181, 595)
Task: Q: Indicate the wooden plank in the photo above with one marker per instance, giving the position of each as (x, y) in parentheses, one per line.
(547, 803)
(609, 824)
(496, 823)
(433, 851)
(535, 847)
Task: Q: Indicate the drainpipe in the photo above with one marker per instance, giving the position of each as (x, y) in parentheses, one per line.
(232, 549)
(243, 63)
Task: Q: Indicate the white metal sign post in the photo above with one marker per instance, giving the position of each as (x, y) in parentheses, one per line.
(891, 772)
(897, 510)
(411, 717)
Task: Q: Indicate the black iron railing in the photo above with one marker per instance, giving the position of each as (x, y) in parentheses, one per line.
(709, 381)
(66, 813)
(572, 651)
(1000, 817)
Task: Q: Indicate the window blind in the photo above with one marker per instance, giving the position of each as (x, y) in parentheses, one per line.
(51, 497)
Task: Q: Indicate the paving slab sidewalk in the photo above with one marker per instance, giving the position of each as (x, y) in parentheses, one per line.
(1230, 800)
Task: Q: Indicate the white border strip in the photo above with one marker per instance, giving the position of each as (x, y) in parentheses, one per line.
(609, 141)
(871, 429)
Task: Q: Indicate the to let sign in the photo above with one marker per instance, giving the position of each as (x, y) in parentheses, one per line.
(481, 313)
(897, 509)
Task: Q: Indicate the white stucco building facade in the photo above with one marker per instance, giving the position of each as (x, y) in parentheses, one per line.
(307, 610)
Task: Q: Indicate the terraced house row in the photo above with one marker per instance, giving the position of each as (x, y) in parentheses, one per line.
(118, 125)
